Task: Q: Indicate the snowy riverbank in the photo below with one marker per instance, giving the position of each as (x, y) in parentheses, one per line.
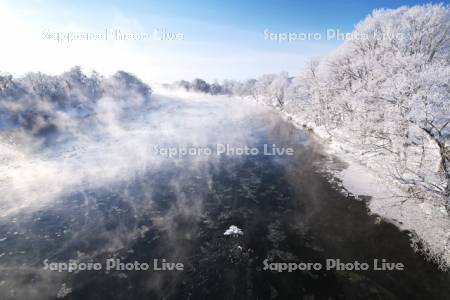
(428, 221)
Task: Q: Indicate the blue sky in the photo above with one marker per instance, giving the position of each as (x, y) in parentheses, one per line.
(221, 39)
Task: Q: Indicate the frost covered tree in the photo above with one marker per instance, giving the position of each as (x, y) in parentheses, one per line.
(38, 102)
(388, 90)
(271, 88)
(215, 89)
(199, 85)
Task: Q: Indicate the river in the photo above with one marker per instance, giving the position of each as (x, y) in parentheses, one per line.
(121, 200)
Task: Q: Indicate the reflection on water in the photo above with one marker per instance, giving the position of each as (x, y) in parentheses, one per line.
(179, 209)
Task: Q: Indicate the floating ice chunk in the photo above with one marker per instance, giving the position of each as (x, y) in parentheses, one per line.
(63, 291)
(233, 230)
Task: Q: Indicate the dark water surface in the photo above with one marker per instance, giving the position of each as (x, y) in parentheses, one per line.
(285, 205)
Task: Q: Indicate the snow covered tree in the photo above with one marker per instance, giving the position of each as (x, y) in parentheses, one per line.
(388, 89)
(199, 85)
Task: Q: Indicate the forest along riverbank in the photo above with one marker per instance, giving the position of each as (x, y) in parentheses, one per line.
(232, 221)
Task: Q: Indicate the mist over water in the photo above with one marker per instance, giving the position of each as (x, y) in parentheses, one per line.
(36, 170)
(102, 192)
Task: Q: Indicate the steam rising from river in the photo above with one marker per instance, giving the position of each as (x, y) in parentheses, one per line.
(73, 173)
(118, 150)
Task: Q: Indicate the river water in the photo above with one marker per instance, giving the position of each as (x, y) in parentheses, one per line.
(122, 200)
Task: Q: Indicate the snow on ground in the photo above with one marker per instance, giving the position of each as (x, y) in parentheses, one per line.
(429, 222)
